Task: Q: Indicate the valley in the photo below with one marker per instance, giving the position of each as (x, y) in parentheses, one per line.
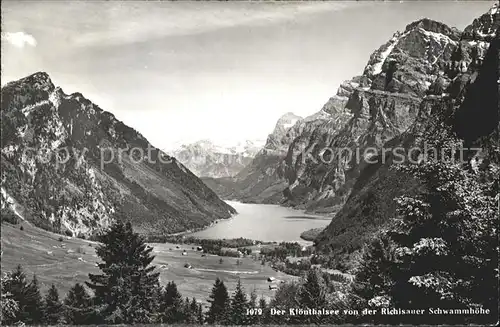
(64, 261)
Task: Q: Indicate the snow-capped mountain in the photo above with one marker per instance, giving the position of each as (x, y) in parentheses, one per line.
(207, 159)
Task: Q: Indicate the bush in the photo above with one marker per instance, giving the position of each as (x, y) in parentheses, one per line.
(60, 239)
(9, 216)
(21, 228)
(68, 233)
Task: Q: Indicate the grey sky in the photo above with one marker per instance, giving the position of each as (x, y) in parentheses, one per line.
(183, 71)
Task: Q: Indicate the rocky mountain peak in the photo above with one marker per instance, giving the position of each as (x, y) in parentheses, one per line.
(27, 91)
(434, 27)
(280, 138)
(484, 27)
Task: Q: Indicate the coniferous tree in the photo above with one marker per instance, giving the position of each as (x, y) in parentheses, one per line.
(26, 295)
(265, 317)
(34, 302)
(125, 291)
(9, 305)
(286, 297)
(239, 306)
(312, 295)
(200, 319)
(171, 305)
(252, 304)
(77, 306)
(52, 310)
(186, 312)
(444, 252)
(373, 276)
(219, 310)
(193, 311)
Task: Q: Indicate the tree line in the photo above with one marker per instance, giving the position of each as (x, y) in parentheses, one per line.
(127, 291)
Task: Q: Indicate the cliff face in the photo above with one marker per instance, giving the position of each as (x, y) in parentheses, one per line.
(72, 166)
(369, 111)
(467, 104)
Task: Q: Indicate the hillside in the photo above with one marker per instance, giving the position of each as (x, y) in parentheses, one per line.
(468, 104)
(70, 166)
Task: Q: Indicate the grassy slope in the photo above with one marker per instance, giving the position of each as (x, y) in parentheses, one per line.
(31, 248)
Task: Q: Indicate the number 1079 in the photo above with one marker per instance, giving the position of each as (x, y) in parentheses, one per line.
(254, 312)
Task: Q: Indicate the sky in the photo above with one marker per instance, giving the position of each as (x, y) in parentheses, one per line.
(179, 72)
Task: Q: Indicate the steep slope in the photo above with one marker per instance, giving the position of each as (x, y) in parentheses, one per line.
(376, 107)
(469, 105)
(73, 166)
(205, 159)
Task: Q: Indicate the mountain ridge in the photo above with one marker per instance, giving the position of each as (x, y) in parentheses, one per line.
(78, 193)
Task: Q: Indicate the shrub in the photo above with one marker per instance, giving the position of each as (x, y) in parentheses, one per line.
(68, 233)
(60, 239)
(8, 216)
(21, 228)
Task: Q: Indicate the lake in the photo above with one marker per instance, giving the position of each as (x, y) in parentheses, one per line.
(264, 222)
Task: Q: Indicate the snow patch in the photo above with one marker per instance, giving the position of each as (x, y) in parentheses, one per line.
(290, 124)
(441, 38)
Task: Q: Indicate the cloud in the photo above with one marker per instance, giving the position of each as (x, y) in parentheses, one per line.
(19, 39)
(136, 23)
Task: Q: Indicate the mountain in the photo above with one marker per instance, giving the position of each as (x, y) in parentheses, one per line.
(68, 165)
(466, 102)
(205, 159)
(262, 180)
(314, 172)
(421, 77)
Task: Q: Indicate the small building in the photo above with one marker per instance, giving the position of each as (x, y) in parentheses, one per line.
(188, 266)
(184, 253)
(273, 287)
(199, 248)
(271, 279)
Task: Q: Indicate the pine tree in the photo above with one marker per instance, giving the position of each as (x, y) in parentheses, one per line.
(265, 317)
(286, 297)
(52, 310)
(200, 319)
(171, 305)
(239, 306)
(219, 310)
(252, 304)
(312, 295)
(373, 276)
(77, 306)
(9, 305)
(193, 311)
(125, 291)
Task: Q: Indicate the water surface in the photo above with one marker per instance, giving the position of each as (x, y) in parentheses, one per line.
(264, 222)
